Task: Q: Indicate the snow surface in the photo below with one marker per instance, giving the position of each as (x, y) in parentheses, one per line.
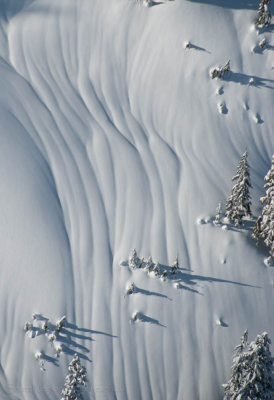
(112, 138)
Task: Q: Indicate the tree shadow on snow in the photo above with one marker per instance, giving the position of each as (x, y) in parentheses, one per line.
(144, 318)
(192, 279)
(266, 29)
(155, 3)
(198, 48)
(91, 331)
(50, 359)
(150, 293)
(247, 228)
(244, 79)
(233, 4)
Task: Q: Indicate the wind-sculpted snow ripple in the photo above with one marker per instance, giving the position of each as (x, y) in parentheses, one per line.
(111, 140)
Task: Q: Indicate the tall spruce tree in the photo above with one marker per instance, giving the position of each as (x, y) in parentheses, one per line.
(264, 15)
(238, 204)
(264, 227)
(252, 371)
(75, 378)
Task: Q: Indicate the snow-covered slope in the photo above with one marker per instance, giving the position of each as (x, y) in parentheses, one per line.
(112, 138)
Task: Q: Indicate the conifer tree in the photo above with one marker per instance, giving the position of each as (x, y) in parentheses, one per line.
(252, 371)
(175, 266)
(218, 215)
(238, 204)
(133, 259)
(156, 269)
(264, 227)
(264, 15)
(75, 378)
(149, 265)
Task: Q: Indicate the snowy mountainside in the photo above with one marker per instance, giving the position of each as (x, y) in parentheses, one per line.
(112, 139)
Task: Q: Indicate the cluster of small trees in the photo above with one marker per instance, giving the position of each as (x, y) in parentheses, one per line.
(219, 72)
(252, 371)
(238, 204)
(149, 266)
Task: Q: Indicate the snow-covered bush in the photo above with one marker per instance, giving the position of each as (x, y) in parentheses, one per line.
(135, 316)
(252, 371)
(264, 15)
(264, 227)
(27, 326)
(187, 45)
(75, 379)
(262, 43)
(238, 204)
(60, 323)
(251, 81)
(131, 288)
(219, 72)
(38, 355)
(45, 325)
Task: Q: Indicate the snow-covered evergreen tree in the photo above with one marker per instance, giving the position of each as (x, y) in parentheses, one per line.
(252, 371)
(218, 215)
(156, 269)
(238, 204)
(133, 259)
(264, 227)
(175, 266)
(75, 378)
(264, 15)
(149, 265)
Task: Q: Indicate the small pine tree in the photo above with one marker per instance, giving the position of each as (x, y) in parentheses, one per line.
(75, 378)
(252, 371)
(133, 259)
(156, 269)
(238, 204)
(149, 265)
(264, 15)
(218, 216)
(264, 227)
(175, 266)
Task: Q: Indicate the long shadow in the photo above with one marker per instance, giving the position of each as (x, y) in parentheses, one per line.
(50, 359)
(233, 4)
(269, 47)
(183, 287)
(244, 79)
(191, 279)
(76, 335)
(198, 48)
(155, 3)
(150, 293)
(67, 350)
(145, 318)
(69, 342)
(267, 29)
(92, 331)
(246, 225)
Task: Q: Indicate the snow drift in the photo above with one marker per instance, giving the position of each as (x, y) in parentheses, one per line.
(112, 139)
